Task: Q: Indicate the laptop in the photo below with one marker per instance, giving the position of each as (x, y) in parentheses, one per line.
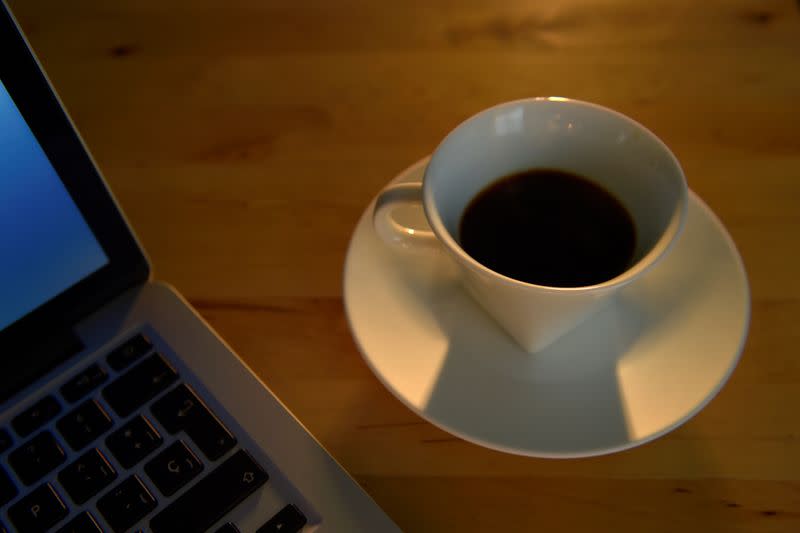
(121, 409)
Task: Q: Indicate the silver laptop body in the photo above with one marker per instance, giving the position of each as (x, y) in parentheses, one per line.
(122, 410)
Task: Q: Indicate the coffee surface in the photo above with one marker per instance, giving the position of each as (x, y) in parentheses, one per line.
(549, 227)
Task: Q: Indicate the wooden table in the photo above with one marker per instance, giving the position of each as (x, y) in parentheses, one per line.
(244, 140)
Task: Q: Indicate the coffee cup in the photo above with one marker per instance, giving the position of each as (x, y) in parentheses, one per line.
(537, 136)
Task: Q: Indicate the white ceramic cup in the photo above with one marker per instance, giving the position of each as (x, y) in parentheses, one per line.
(592, 141)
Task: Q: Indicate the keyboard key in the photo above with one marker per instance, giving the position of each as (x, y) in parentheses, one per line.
(38, 511)
(35, 416)
(5, 440)
(126, 504)
(83, 523)
(227, 528)
(173, 468)
(176, 408)
(7, 488)
(180, 409)
(142, 383)
(87, 476)
(36, 457)
(130, 351)
(82, 384)
(134, 441)
(288, 520)
(84, 424)
(213, 439)
(212, 497)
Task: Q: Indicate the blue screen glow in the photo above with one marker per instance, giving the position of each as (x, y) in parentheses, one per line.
(45, 244)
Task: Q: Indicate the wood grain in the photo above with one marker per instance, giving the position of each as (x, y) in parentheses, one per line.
(244, 141)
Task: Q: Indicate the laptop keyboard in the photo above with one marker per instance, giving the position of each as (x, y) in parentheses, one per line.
(122, 452)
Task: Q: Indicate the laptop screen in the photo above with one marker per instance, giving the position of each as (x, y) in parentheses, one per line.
(46, 245)
(65, 248)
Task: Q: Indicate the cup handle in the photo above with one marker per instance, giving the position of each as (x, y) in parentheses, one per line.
(391, 231)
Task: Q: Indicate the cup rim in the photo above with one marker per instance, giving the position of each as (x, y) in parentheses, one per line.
(654, 255)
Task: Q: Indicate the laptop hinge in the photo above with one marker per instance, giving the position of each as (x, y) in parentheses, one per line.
(22, 363)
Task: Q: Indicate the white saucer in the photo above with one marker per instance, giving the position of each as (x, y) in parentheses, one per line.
(634, 371)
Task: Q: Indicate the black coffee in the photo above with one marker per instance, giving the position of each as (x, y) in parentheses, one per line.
(549, 227)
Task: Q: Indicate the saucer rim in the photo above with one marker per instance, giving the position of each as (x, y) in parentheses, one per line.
(593, 452)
